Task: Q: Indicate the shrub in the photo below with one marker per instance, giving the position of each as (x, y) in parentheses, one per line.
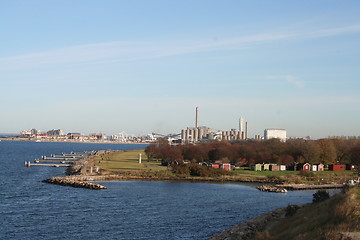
(291, 210)
(320, 196)
(182, 169)
(307, 174)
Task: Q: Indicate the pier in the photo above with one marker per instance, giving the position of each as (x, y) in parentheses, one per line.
(60, 160)
(50, 164)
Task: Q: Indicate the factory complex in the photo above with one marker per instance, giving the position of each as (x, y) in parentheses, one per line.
(203, 133)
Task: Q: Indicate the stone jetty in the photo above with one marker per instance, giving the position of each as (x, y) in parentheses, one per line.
(270, 188)
(64, 181)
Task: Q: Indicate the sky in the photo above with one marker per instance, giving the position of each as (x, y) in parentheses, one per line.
(143, 66)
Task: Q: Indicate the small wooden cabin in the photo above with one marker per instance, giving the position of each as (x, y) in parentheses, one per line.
(350, 167)
(320, 167)
(215, 165)
(274, 167)
(337, 167)
(266, 167)
(303, 167)
(226, 166)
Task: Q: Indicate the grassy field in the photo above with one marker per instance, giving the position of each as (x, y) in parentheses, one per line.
(120, 161)
(127, 161)
(266, 173)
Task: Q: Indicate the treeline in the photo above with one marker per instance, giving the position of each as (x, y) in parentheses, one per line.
(326, 151)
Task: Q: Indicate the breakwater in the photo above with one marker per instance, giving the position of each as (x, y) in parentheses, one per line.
(294, 187)
(269, 188)
(64, 181)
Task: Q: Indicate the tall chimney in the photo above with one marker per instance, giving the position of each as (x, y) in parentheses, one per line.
(196, 119)
(246, 130)
(241, 124)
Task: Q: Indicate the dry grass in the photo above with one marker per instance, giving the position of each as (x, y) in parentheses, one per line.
(324, 220)
(127, 161)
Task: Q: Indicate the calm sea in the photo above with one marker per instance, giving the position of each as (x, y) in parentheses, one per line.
(30, 209)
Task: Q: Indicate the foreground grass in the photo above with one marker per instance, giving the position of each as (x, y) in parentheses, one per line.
(324, 220)
(120, 161)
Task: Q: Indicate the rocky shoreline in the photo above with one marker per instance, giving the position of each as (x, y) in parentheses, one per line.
(64, 181)
(247, 230)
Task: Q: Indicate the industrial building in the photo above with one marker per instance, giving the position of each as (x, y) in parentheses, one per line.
(203, 133)
(275, 133)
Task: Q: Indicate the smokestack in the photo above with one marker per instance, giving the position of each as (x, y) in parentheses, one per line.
(241, 124)
(246, 130)
(196, 119)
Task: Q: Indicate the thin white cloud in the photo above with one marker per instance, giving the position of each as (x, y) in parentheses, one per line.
(130, 51)
(288, 78)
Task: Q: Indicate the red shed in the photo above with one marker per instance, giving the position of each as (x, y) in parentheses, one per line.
(320, 167)
(304, 167)
(215, 165)
(337, 167)
(226, 166)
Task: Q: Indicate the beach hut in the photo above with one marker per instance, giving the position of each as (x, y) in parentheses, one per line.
(226, 166)
(256, 167)
(314, 168)
(215, 165)
(337, 167)
(274, 167)
(266, 167)
(350, 167)
(303, 167)
(282, 167)
(320, 167)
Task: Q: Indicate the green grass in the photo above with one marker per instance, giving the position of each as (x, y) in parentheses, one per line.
(266, 173)
(127, 161)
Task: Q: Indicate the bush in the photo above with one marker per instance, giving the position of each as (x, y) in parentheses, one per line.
(194, 169)
(291, 210)
(320, 196)
(307, 174)
(182, 169)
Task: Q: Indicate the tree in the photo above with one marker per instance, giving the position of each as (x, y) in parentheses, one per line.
(355, 156)
(169, 155)
(327, 151)
(342, 150)
(310, 152)
(193, 153)
(151, 152)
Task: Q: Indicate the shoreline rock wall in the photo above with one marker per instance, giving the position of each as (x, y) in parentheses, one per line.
(73, 183)
(247, 230)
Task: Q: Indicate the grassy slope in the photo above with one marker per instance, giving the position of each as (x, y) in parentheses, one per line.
(127, 160)
(324, 220)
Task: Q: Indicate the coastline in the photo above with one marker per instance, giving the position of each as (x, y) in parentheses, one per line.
(255, 228)
(247, 230)
(15, 139)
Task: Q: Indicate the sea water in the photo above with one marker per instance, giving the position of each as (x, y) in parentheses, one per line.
(31, 209)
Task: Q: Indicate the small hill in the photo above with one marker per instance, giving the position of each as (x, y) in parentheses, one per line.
(332, 219)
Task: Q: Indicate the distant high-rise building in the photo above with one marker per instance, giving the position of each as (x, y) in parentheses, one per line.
(275, 133)
(56, 132)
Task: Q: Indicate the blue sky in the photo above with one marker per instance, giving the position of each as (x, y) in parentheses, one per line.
(143, 66)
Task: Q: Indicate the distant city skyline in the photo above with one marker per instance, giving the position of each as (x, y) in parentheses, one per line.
(143, 66)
